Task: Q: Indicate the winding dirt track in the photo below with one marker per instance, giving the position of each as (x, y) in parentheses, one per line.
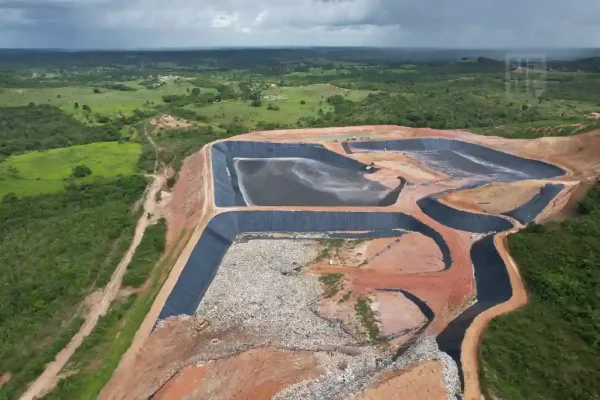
(51, 375)
(577, 155)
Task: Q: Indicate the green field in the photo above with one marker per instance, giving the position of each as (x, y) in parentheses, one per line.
(319, 71)
(108, 102)
(288, 99)
(41, 172)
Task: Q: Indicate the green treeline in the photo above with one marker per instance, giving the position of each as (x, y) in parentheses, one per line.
(42, 127)
(146, 255)
(438, 109)
(93, 363)
(54, 250)
(177, 144)
(550, 349)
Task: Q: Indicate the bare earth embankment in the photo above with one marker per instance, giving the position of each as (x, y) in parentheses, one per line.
(282, 321)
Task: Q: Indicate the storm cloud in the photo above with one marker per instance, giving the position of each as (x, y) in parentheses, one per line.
(223, 23)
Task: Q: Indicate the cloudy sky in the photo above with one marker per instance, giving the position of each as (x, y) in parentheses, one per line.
(219, 23)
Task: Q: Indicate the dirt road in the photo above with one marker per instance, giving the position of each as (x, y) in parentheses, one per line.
(50, 377)
(153, 143)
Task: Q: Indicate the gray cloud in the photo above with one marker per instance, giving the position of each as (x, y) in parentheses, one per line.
(207, 23)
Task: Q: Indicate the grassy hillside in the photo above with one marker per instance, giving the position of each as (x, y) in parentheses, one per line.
(550, 349)
(54, 250)
(291, 103)
(45, 127)
(108, 102)
(49, 171)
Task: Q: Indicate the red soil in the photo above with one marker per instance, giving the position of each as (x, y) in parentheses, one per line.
(422, 382)
(256, 374)
(409, 264)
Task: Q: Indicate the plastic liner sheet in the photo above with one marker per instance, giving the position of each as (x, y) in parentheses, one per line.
(328, 235)
(493, 287)
(468, 157)
(528, 211)
(346, 147)
(306, 182)
(462, 220)
(227, 190)
(221, 231)
(423, 306)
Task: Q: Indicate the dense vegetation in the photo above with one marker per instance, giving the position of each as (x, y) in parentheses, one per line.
(177, 144)
(550, 349)
(146, 255)
(54, 250)
(94, 362)
(45, 127)
(49, 171)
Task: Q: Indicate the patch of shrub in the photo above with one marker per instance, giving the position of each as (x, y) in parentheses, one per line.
(81, 171)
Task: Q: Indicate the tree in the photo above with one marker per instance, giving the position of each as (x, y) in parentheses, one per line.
(87, 108)
(302, 102)
(195, 92)
(96, 90)
(256, 103)
(9, 198)
(81, 171)
(102, 119)
(76, 105)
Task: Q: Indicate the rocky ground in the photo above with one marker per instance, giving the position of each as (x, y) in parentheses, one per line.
(263, 303)
(260, 290)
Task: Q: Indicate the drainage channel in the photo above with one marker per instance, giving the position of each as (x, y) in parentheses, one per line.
(222, 230)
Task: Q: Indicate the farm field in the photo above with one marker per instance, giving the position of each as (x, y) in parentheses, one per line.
(288, 99)
(108, 102)
(47, 171)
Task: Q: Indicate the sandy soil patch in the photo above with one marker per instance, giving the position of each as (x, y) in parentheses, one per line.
(399, 318)
(494, 198)
(411, 253)
(256, 374)
(422, 382)
(191, 196)
(168, 121)
(5, 378)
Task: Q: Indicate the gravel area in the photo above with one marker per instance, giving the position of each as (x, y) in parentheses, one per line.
(361, 371)
(451, 378)
(258, 291)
